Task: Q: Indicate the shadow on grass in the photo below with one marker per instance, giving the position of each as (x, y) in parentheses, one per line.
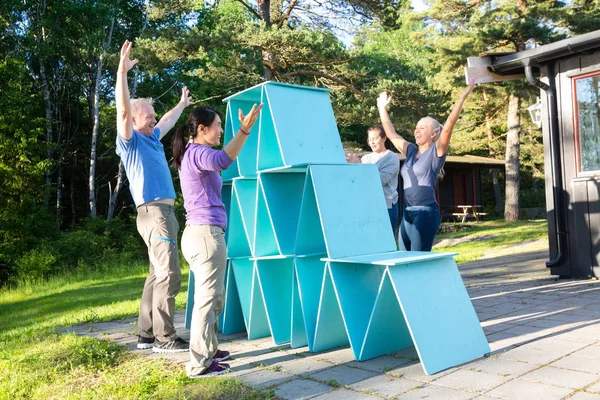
(75, 306)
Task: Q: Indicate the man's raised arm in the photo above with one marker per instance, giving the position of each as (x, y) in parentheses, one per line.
(168, 121)
(124, 118)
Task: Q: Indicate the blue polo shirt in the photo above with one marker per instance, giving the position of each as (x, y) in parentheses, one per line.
(146, 167)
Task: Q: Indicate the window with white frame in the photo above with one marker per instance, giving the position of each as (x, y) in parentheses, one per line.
(587, 121)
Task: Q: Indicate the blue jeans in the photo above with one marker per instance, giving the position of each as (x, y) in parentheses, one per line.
(419, 226)
(393, 212)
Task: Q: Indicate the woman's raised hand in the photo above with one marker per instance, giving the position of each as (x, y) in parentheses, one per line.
(383, 100)
(249, 119)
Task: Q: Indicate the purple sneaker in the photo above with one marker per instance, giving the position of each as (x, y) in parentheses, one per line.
(221, 355)
(213, 369)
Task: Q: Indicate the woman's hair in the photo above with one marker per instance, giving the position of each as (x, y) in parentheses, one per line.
(435, 126)
(381, 132)
(203, 115)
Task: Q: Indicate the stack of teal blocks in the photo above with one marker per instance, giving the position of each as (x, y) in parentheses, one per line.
(312, 258)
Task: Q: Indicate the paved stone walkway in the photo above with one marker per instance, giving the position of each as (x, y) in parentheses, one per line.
(544, 335)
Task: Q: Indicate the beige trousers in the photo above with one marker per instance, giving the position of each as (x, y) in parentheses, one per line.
(158, 226)
(204, 248)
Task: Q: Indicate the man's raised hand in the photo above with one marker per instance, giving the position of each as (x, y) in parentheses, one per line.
(125, 63)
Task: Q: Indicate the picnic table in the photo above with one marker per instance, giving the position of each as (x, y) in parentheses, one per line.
(469, 210)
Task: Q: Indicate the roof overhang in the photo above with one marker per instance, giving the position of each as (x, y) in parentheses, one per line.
(504, 66)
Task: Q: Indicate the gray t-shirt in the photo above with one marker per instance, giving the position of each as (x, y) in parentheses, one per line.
(388, 165)
(420, 175)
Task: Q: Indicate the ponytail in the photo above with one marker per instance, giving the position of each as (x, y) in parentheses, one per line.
(203, 115)
(178, 144)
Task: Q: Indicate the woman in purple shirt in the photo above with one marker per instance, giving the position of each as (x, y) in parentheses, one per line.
(203, 242)
(424, 161)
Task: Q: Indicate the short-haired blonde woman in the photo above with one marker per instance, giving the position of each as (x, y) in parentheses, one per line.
(424, 161)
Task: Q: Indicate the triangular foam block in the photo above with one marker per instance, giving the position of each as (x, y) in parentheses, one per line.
(309, 274)
(269, 153)
(231, 319)
(387, 331)
(266, 244)
(356, 310)
(352, 209)
(330, 331)
(276, 280)
(298, 329)
(309, 239)
(305, 125)
(238, 243)
(438, 298)
(283, 192)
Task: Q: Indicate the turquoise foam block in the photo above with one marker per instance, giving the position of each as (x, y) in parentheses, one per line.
(189, 305)
(226, 198)
(276, 281)
(426, 292)
(439, 313)
(269, 153)
(251, 301)
(308, 274)
(329, 330)
(352, 209)
(304, 125)
(245, 164)
(241, 218)
(309, 236)
(231, 319)
(278, 211)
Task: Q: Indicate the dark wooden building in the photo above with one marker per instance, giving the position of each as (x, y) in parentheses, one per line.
(568, 76)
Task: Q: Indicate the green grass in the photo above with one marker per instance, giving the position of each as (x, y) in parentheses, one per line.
(495, 238)
(38, 363)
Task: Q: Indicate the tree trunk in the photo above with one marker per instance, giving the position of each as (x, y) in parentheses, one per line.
(488, 125)
(115, 193)
(513, 164)
(49, 135)
(59, 198)
(72, 196)
(96, 125)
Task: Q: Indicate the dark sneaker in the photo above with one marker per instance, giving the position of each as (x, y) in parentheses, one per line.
(221, 355)
(214, 369)
(144, 342)
(172, 346)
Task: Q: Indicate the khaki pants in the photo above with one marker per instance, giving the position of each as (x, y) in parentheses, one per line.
(204, 249)
(158, 226)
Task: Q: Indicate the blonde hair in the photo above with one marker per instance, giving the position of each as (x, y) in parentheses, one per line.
(137, 104)
(435, 127)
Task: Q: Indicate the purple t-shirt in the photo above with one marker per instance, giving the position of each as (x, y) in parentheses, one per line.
(201, 185)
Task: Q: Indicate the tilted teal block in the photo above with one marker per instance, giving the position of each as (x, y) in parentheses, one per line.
(357, 308)
(304, 125)
(352, 210)
(387, 330)
(298, 337)
(309, 239)
(276, 281)
(269, 153)
(252, 303)
(309, 272)
(432, 300)
(330, 330)
(278, 210)
(439, 314)
(245, 163)
(232, 318)
(242, 218)
(189, 305)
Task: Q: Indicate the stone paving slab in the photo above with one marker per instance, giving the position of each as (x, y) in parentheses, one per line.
(544, 334)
